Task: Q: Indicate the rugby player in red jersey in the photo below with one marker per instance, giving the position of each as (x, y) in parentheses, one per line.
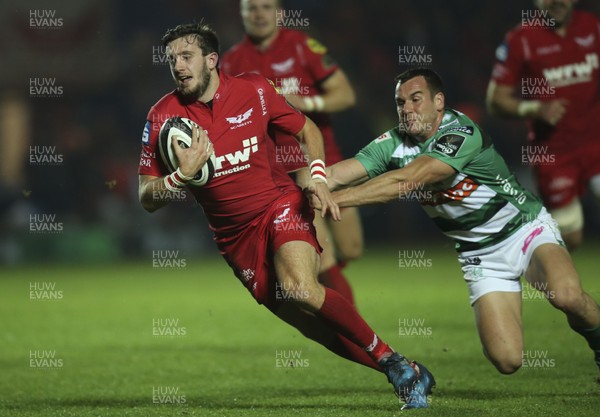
(303, 71)
(261, 220)
(547, 71)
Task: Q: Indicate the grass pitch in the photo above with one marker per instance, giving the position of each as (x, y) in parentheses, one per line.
(136, 340)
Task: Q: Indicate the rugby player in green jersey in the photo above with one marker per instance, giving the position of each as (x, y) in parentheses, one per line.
(501, 230)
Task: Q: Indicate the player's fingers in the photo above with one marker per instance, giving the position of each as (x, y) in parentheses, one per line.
(175, 145)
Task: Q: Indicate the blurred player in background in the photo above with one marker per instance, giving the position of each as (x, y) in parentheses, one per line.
(261, 220)
(547, 71)
(501, 231)
(308, 78)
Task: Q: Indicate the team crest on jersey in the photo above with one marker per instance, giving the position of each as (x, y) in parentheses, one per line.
(283, 67)
(241, 119)
(585, 42)
(146, 134)
(316, 46)
(449, 144)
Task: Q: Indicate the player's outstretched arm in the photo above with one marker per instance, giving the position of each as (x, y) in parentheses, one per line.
(390, 186)
(346, 173)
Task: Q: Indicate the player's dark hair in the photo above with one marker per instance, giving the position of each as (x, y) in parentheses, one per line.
(433, 80)
(207, 38)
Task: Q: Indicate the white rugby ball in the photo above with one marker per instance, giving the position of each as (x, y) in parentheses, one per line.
(182, 129)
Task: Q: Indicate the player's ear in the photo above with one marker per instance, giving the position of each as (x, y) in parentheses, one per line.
(212, 60)
(439, 100)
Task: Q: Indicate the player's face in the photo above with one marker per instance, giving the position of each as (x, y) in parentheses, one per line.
(191, 70)
(259, 17)
(559, 10)
(418, 112)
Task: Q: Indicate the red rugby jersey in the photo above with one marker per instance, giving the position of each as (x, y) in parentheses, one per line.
(295, 62)
(542, 65)
(244, 109)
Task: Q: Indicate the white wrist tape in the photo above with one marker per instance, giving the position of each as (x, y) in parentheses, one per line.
(317, 170)
(528, 108)
(314, 103)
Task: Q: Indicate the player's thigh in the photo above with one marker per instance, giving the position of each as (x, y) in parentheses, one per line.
(328, 256)
(551, 271)
(296, 265)
(348, 234)
(307, 323)
(499, 324)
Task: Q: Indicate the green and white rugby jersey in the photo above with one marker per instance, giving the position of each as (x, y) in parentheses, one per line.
(482, 204)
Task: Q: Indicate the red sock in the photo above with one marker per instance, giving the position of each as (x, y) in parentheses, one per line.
(345, 320)
(334, 278)
(346, 349)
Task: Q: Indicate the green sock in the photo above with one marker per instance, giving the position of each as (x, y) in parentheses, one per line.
(593, 338)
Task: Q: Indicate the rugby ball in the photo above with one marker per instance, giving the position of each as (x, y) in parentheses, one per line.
(180, 129)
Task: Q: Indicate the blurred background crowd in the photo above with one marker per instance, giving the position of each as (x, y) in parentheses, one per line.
(102, 60)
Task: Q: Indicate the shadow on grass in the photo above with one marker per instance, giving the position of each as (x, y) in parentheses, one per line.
(231, 400)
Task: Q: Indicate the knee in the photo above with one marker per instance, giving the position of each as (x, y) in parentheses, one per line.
(568, 299)
(306, 295)
(508, 363)
(573, 240)
(509, 366)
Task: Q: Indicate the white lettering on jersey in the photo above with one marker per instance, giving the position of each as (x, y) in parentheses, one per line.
(261, 97)
(250, 146)
(579, 72)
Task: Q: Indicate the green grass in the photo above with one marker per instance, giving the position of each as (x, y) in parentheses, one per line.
(224, 365)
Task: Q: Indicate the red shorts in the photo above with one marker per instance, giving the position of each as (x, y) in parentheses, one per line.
(566, 175)
(250, 253)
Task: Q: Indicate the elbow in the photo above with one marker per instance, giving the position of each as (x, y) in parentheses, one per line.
(147, 204)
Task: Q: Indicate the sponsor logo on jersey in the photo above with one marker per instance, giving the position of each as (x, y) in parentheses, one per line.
(449, 144)
(247, 274)
(464, 129)
(316, 46)
(463, 189)
(146, 133)
(261, 98)
(284, 66)
(241, 119)
(576, 73)
(585, 42)
(474, 260)
(547, 50)
(238, 159)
